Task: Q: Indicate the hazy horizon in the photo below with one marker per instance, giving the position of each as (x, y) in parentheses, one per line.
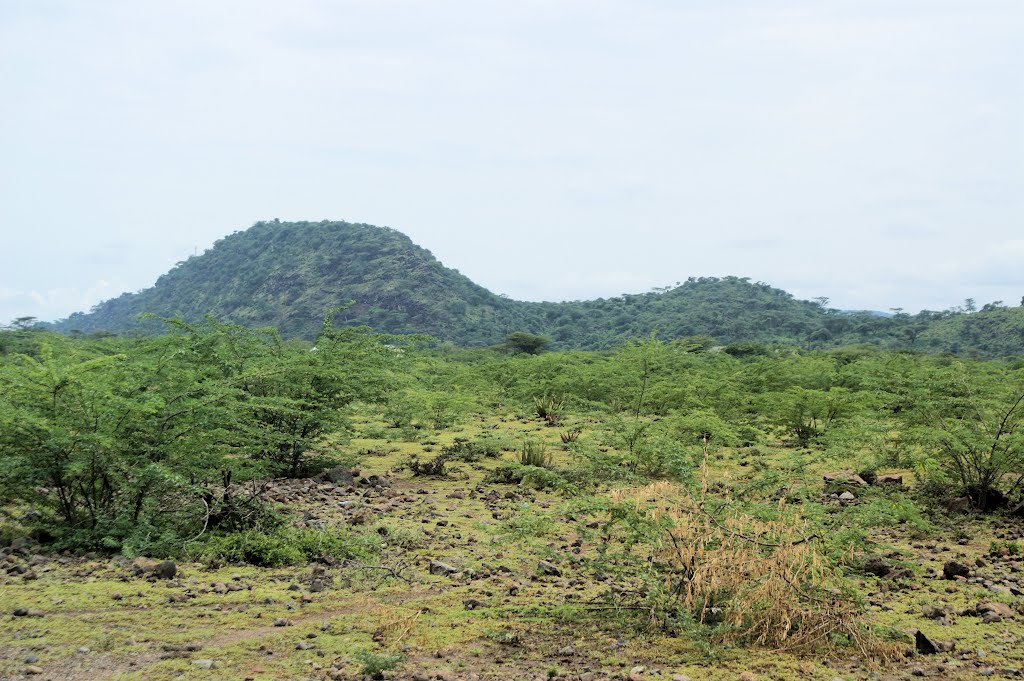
(867, 152)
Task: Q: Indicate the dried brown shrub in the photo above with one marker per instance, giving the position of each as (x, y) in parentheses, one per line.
(761, 582)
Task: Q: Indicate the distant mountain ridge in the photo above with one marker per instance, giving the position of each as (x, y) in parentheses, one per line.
(289, 274)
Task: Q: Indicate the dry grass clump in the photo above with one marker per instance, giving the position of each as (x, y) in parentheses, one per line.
(390, 624)
(756, 581)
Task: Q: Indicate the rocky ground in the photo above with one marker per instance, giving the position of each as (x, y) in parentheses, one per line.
(474, 581)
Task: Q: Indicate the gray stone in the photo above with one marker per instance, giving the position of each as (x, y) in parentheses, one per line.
(548, 568)
(439, 568)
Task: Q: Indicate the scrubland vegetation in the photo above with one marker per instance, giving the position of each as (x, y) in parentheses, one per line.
(386, 506)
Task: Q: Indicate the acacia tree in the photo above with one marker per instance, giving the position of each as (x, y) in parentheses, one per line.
(103, 440)
(974, 422)
(290, 393)
(113, 439)
(521, 342)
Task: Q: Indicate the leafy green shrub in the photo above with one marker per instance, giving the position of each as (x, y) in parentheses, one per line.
(531, 476)
(542, 478)
(251, 547)
(285, 547)
(374, 664)
(881, 512)
(436, 467)
(470, 451)
(506, 474)
(974, 422)
(1001, 547)
(529, 523)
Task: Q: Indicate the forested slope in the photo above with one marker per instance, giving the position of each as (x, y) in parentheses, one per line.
(290, 274)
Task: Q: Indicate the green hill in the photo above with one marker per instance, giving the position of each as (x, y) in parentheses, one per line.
(289, 274)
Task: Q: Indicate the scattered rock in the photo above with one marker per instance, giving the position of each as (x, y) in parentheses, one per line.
(340, 476)
(889, 480)
(204, 664)
(548, 568)
(953, 569)
(27, 612)
(924, 645)
(847, 496)
(995, 608)
(933, 612)
(166, 569)
(282, 622)
(844, 477)
(439, 568)
(878, 566)
(32, 671)
(959, 505)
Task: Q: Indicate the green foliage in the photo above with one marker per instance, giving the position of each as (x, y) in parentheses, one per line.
(375, 664)
(883, 512)
(549, 408)
(1002, 547)
(534, 453)
(973, 421)
(289, 274)
(471, 451)
(521, 342)
(112, 436)
(435, 467)
(284, 547)
(650, 448)
(528, 476)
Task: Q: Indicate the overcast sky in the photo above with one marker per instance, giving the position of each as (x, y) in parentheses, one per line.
(868, 151)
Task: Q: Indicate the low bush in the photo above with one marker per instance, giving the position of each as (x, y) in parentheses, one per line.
(375, 664)
(284, 547)
(746, 579)
(534, 454)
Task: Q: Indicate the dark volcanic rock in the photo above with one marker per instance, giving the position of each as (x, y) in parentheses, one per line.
(166, 570)
(924, 645)
(953, 569)
(878, 566)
